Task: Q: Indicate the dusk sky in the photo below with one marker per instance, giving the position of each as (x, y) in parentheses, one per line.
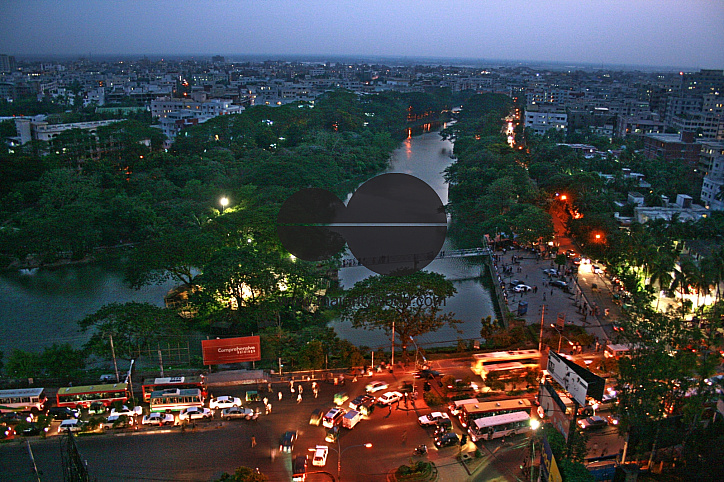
(675, 33)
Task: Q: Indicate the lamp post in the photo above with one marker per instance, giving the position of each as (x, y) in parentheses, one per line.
(341, 451)
(560, 337)
(224, 201)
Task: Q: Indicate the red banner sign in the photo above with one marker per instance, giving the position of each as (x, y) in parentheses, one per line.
(231, 350)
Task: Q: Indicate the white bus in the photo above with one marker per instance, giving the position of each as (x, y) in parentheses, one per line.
(504, 361)
(473, 411)
(22, 400)
(175, 399)
(498, 426)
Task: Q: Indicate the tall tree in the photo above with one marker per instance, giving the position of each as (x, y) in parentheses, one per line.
(410, 305)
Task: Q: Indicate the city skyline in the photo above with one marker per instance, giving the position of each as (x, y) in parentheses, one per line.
(607, 33)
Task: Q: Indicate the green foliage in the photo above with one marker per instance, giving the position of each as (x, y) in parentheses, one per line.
(22, 364)
(243, 474)
(433, 399)
(134, 327)
(412, 303)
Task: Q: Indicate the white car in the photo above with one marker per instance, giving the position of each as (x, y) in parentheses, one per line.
(521, 288)
(389, 398)
(195, 413)
(376, 387)
(71, 425)
(432, 418)
(127, 411)
(117, 421)
(237, 412)
(320, 455)
(224, 402)
(596, 269)
(158, 418)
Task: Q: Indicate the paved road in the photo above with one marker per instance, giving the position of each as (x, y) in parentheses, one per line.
(217, 446)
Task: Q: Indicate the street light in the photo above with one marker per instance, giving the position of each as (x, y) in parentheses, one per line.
(560, 336)
(224, 201)
(340, 452)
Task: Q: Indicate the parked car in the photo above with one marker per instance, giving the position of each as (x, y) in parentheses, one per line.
(597, 269)
(316, 417)
(71, 425)
(376, 387)
(340, 398)
(515, 282)
(299, 468)
(576, 261)
(559, 284)
(592, 422)
(31, 428)
(237, 412)
(355, 404)
(195, 413)
(6, 432)
(286, 444)
(158, 418)
(320, 455)
(117, 421)
(224, 402)
(127, 411)
(10, 418)
(63, 413)
(447, 439)
(522, 288)
(107, 378)
(551, 271)
(389, 398)
(432, 418)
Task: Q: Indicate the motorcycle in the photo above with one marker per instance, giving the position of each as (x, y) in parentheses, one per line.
(421, 450)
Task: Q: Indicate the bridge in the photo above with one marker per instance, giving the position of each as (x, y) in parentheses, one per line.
(407, 258)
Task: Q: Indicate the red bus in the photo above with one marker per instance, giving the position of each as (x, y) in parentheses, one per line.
(84, 396)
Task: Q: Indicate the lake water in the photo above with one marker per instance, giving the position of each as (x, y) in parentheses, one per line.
(426, 156)
(41, 307)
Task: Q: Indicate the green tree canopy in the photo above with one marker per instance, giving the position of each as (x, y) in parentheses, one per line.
(412, 304)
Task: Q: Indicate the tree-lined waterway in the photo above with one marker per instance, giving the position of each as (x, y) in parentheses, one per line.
(40, 307)
(426, 156)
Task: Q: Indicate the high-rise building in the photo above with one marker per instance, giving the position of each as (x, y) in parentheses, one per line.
(7, 63)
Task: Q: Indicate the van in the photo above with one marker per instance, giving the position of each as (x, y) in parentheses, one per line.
(63, 413)
(616, 351)
(350, 419)
(333, 417)
(71, 425)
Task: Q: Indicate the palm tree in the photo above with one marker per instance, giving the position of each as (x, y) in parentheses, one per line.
(714, 267)
(659, 270)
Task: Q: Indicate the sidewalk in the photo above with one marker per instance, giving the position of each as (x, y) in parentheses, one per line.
(558, 303)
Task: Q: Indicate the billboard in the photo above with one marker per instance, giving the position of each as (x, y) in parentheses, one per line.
(577, 381)
(552, 407)
(548, 468)
(231, 350)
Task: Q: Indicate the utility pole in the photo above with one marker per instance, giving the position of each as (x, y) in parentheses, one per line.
(160, 361)
(113, 352)
(392, 362)
(540, 338)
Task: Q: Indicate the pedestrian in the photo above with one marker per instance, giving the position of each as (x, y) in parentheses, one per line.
(266, 401)
(300, 389)
(299, 398)
(253, 441)
(280, 396)
(389, 408)
(535, 288)
(268, 409)
(544, 296)
(291, 385)
(268, 388)
(404, 437)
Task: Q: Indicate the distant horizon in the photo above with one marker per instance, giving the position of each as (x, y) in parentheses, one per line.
(367, 59)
